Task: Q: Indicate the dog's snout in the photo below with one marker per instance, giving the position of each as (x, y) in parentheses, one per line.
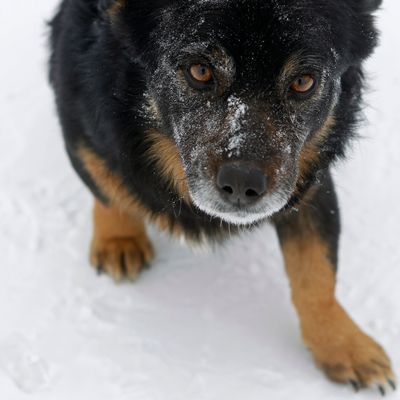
(241, 183)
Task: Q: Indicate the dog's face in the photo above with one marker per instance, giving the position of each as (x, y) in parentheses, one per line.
(243, 88)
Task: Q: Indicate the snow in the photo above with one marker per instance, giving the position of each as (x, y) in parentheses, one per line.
(237, 111)
(195, 326)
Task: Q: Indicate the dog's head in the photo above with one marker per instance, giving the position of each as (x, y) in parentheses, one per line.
(248, 90)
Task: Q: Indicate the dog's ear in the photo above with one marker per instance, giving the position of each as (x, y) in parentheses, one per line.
(365, 34)
(372, 5)
(109, 7)
(368, 6)
(133, 21)
(105, 5)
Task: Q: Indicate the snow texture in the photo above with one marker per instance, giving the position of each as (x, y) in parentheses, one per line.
(196, 326)
(238, 111)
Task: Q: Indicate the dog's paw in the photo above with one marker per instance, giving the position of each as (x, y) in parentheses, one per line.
(358, 361)
(121, 258)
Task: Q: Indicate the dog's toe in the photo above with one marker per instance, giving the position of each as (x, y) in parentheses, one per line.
(361, 362)
(121, 258)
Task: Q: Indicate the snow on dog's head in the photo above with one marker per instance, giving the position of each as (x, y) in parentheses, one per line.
(248, 92)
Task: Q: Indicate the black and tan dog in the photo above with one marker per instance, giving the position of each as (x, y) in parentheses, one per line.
(207, 117)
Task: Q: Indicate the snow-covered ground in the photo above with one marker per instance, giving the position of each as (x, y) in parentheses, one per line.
(201, 327)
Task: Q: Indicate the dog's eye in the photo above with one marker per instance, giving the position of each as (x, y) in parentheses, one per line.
(303, 85)
(199, 76)
(201, 73)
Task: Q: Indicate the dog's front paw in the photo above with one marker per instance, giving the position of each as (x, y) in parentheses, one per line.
(357, 360)
(121, 258)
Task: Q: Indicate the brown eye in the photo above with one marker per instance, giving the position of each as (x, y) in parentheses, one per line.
(303, 85)
(201, 73)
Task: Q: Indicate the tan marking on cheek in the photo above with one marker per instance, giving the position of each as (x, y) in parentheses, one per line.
(112, 186)
(115, 8)
(310, 152)
(164, 153)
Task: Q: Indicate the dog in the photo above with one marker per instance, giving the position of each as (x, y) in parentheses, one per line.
(210, 117)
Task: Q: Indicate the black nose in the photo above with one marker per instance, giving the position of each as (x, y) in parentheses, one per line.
(241, 183)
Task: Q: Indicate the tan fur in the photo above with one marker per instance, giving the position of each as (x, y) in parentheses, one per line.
(112, 186)
(310, 152)
(109, 183)
(115, 8)
(120, 245)
(339, 347)
(165, 153)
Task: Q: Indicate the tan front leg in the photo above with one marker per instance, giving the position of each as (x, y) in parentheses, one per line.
(309, 239)
(120, 246)
(340, 348)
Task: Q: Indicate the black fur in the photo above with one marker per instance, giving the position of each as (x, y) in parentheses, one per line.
(123, 69)
(104, 64)
(320, 216)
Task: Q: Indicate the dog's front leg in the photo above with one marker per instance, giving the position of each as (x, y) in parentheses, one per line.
(309, 240)
(120, 245)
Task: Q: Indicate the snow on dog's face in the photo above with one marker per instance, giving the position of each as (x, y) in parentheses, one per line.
(247, 90)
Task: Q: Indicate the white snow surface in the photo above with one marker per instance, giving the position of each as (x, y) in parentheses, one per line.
(195, 326)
